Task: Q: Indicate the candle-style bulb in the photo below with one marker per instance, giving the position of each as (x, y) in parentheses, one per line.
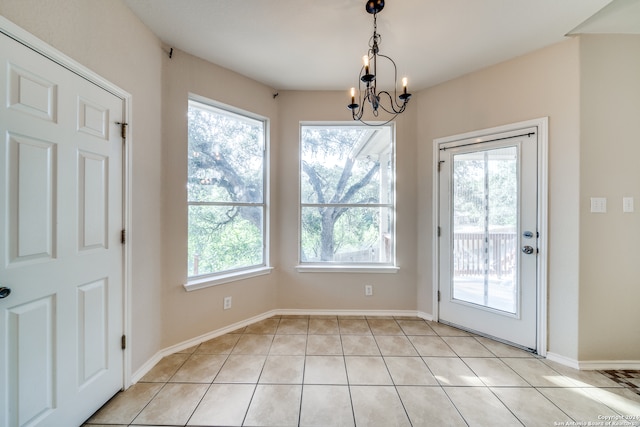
(365, 60)
(404, 85)
(353, 92)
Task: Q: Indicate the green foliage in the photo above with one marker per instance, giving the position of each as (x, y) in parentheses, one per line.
(335, 176)
(484, 185)
(224, 190)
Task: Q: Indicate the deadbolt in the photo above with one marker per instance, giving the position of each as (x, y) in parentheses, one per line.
(527, 249)
(4, 292)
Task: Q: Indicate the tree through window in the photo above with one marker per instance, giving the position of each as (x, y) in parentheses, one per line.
(347, 194)
(225, 190)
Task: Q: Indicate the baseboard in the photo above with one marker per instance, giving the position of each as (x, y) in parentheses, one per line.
(563, 360)
(425, 316)
(610, 365)
(149, 364)
(372, 313)
(594, 365)
(146, 367)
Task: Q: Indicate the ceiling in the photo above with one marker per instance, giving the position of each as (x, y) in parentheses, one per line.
(318, 45)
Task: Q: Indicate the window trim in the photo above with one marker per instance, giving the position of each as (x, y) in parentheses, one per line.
(217, 278)
(341, 267)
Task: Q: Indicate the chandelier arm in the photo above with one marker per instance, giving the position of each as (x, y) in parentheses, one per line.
(395, 86)
(393, 106)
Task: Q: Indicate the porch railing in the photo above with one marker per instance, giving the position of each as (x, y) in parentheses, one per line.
(477, 253)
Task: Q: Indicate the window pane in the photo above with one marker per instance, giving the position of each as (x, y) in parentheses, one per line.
(343, 165)
(485, 208)
(223, 238)
(226, 154)
(225, 190)
(346, 235)
(343, 170)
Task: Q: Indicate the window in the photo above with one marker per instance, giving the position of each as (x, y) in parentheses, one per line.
(347, 195)
(225, 191)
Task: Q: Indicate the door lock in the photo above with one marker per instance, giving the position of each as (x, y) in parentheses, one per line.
(4, 292)
(527, 249)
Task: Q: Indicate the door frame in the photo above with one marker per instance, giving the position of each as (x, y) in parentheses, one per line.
(11, 30)
(482, 135)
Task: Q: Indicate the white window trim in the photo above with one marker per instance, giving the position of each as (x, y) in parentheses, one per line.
(214, 279)
(329, 267)
(344, 268)
(220, 279)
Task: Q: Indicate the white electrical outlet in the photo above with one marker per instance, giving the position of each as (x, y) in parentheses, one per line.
(627, 204)
(226, 305)
(368, 290)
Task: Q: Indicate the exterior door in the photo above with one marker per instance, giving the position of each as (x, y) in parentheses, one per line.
(488, 236)
(61, 257)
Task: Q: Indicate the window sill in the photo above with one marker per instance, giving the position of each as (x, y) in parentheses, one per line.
(207, 282)
(347, 269)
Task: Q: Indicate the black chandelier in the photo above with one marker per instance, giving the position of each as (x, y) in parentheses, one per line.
(367, 82)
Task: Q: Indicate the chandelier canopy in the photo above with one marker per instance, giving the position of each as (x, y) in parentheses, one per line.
(368, 79)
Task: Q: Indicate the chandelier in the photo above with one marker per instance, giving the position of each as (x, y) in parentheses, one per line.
(368, 81)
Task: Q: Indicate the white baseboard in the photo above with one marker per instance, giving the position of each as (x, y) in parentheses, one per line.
(563, 360)
(594, 365)
(372, 313)
(606, 365)
(149, 364)
(146, 367)
(425, 316)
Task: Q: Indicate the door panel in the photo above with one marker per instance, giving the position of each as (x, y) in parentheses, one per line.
(488, 199)
(60, 221)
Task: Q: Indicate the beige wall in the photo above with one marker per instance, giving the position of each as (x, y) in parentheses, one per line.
(540, 84)
(592, 106)
(609, 167)
(187, 315)
(341, 291)
(106, 37)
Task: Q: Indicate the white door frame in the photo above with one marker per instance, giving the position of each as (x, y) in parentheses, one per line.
(485, 134)
(29, 40)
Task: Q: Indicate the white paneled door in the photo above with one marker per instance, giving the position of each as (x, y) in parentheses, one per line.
(488, 245)
(61, 258)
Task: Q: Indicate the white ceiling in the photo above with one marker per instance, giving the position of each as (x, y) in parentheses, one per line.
(318, 44)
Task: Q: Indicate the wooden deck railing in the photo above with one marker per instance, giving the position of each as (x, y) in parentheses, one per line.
(473, 254)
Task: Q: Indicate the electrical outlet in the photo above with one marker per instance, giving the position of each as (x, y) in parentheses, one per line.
(368, 290)
(226, 305)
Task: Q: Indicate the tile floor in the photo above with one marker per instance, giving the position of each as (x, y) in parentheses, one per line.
(346, 371)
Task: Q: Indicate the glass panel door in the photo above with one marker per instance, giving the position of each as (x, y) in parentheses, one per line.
(485, 221)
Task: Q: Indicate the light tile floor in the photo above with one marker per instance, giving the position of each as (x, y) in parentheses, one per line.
(345, 371)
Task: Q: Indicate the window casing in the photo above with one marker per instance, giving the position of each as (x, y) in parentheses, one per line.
(226, 191)
(347, 196)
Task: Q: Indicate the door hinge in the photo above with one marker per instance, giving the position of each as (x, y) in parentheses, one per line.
(440, 165)
(439, 231)
(123, 129)
(123, 342)
(438, 296)
(123, 236)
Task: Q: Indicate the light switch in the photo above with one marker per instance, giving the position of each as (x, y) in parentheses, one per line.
(599, 205)
(627, 204)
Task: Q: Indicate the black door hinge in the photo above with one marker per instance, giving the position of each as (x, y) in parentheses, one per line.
(123, 342)
(123, 236)
(123, 129)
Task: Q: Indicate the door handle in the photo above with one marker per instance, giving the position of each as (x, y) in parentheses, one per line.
(4, 292)
(527, 249)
